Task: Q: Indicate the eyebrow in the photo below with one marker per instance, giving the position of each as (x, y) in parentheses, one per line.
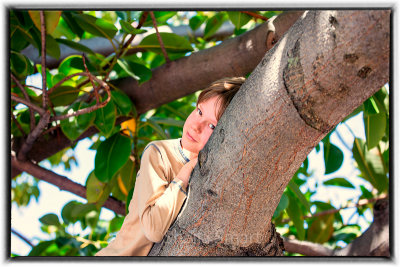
(212, 120)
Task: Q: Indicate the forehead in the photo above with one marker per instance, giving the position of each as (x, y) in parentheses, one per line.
(210, 108)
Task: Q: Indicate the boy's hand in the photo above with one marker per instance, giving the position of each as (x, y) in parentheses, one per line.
(186, 170)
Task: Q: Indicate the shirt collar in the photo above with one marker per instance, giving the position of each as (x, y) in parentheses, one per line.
(184, 153)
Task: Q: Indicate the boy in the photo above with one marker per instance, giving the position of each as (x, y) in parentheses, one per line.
(165, 168)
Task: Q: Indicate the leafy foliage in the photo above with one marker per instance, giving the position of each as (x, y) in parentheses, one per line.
(115, 170)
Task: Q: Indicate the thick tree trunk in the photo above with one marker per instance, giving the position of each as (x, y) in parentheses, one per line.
(183, 77)
(323, 68)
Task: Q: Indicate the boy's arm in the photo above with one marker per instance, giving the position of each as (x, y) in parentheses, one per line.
(158, 201)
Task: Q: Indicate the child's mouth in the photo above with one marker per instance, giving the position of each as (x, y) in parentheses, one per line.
(190, 137)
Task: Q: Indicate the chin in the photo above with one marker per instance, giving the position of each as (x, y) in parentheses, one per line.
(189, 146)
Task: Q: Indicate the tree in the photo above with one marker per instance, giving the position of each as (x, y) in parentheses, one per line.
(289, 65)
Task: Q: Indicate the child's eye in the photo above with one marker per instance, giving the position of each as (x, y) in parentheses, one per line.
(199, 111)
(211, 126)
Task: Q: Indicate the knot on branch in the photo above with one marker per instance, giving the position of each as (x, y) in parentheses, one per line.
(293, 79)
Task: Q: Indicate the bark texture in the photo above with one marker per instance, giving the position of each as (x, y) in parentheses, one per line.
(326, 65)
(237, 56)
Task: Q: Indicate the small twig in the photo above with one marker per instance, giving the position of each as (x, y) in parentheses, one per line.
(65, 79)
(32, 116)
(91, 80)
(18, 125)
(141, 21)
(124, 49)
(43, 35)
(63, 183)
(51, 129)
(255, 15)
(381, 157)
(342, 140)
(22, 237)
(28, 104)
(88, 109)
(27, 145)
(159, 37)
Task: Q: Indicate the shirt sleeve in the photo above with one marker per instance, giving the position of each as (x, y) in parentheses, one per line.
(159, 201)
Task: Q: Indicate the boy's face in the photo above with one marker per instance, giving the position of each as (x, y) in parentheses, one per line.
(199, 126)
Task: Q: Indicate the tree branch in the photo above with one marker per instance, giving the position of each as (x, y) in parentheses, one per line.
(26, 96)
(22, 237)
(126, 45)
(63, 183)
(43, 35)
(30, 140)
(241, 54)
(28, 104)
(92, 108)
(167, 60)
(255, 15)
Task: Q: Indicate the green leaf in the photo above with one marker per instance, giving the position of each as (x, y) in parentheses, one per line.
(81, 210)
(51, 18)
(66, 212)
(75, 45)
(96, 26)
(74, 64)
(124, 65)
(370, 165)
(283, 204)
(73, 127)
(196, 21)
(115, 224)
(20, 65)
(300, 196)
(72, 24)
(238, 18)
(50, 219)
(52, 47)
(161, 18)
(63, 95)
(127, 28)
(173, 43)
(49, 77)
(157, 128)
(333, 157)
(168, 121)
(295, 215)
(111, 155)
(128, 174)
(365, 193)
(339, 182)
(370, 107)
(97, 192)
(40, 248)
(321, 229)
(128, 200)
(105, 118)
(19, 39)
(374, 126)
(213, 24)
(122, 102)
(141, 72)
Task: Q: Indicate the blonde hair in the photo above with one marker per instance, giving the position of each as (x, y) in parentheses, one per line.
(225, 89)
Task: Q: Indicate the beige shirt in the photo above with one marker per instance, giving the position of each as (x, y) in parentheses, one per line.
(157, 199)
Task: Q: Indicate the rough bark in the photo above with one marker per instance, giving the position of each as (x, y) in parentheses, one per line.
(327, 64)
(174, 80)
